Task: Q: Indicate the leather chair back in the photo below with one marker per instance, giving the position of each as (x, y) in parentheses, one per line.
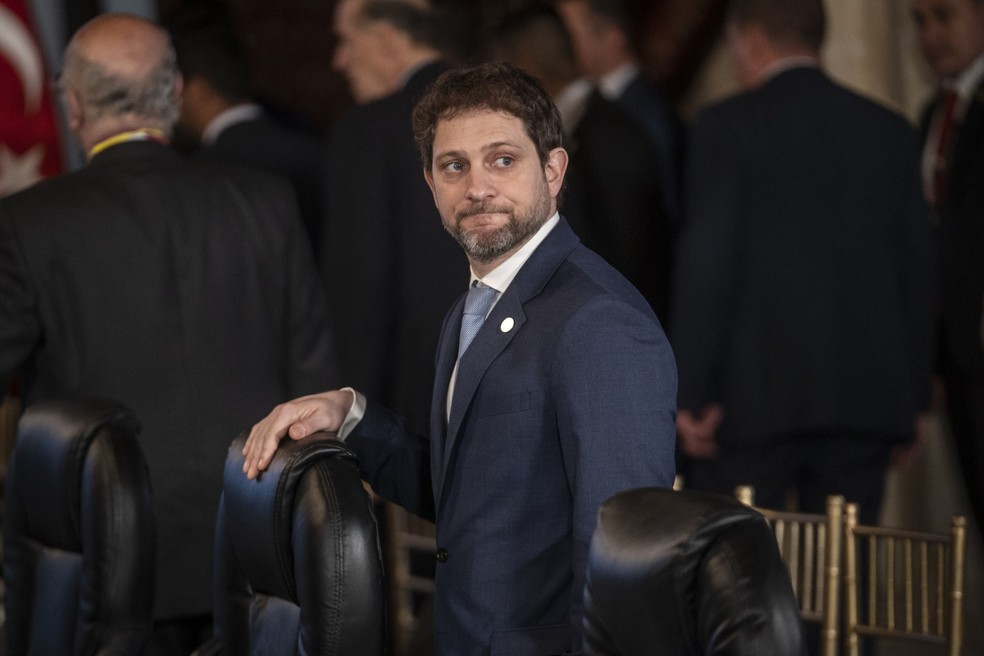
(687, 572)
(78, 532)
(298, 560)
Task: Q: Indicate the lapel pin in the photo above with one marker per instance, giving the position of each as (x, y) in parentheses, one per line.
(507, 324)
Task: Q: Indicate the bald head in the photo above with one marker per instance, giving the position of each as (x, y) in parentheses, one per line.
(120, 74)
(125, 45)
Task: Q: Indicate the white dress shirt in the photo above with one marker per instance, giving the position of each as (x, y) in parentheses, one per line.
(499, 279)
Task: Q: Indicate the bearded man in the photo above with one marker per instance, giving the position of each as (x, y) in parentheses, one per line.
(565, 395)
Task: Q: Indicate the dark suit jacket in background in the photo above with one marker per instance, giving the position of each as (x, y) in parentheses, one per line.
(269, 145)
(645, 103)
(960, 226)
(187, 292)
(613, 201)
(552, 414)
(391, 269)
(804, 288)
(961, 239)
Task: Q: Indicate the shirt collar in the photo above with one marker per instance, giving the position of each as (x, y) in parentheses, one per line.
(229, 117)
(613, 84)
(502, 276)
(572, 101)
(413, 70)
(966, 82)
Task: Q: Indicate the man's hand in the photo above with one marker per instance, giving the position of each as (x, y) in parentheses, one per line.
(698, 433)
(298, 419)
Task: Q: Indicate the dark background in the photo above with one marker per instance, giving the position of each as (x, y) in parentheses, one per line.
(290, 43)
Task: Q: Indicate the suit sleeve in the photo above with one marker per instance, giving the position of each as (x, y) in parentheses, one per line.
(614, 383)
(707, 271)
(394, 460)
(20, 329)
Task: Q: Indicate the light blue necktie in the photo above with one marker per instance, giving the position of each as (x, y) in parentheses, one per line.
(477, 304)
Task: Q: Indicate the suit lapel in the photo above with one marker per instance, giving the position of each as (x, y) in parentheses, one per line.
(490, 341)
(447, 351)
(488, 344)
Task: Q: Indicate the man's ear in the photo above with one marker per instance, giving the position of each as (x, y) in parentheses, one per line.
(750, 51)
(430, 183)
(76, 117)
(555, 169)
(196, 104)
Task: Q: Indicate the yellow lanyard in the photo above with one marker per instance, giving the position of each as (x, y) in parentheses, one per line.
(143, 134)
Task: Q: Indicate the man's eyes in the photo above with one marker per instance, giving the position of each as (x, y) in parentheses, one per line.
(456, 166)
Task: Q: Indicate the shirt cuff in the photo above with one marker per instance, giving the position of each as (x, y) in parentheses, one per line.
(354, 416)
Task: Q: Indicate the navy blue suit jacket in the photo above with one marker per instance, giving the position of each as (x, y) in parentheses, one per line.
(667, 132)
(804, 287)
(566, 396)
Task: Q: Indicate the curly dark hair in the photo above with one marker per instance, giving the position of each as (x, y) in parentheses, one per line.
(497, 87)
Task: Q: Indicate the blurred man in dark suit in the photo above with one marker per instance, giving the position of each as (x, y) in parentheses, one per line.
(605, 40)
(187, 291)
(391, 270)
(611, 196)
(221, 117)
(803, 296)
(951, 33)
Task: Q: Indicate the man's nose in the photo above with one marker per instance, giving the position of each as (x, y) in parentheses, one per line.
(480, 184)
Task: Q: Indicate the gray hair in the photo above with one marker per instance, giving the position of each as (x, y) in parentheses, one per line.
(108, 94)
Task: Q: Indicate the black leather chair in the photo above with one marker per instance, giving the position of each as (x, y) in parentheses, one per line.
(687, 573)
(78, 532)
(298, 560)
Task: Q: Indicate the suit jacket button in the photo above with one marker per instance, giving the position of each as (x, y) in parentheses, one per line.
(442, 555)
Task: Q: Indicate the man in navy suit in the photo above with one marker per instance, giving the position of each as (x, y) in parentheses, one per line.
(566, 395)
(803, 294)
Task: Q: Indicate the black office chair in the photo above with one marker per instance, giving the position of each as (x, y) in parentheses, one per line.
(78, 532)
(687, 572)
(298, 560)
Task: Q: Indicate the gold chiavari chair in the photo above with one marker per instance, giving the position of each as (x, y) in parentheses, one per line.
(411, 540)
(810, 545)
(913, 587)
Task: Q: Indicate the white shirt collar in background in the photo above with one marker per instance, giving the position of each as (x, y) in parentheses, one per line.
(613, 85)
(231, 116)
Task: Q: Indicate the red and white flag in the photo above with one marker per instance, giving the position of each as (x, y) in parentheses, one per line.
(29, 147)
